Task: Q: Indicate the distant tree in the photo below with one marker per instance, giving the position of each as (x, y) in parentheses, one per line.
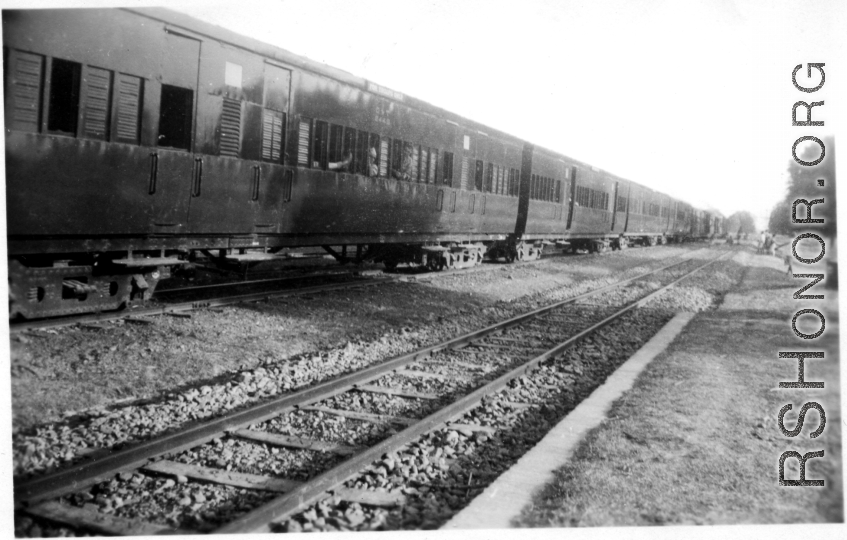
(742, 222)
(780, 219)
(803, 184)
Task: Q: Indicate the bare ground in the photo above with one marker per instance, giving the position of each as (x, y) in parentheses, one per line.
(696, 440)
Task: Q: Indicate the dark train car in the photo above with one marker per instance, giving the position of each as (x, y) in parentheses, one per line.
(138, 139)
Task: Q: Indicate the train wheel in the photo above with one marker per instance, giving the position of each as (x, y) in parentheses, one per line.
(390, 264)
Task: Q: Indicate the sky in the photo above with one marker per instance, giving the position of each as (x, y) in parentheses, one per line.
(690, 98)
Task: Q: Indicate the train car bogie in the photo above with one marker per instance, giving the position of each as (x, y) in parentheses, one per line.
(65, 287)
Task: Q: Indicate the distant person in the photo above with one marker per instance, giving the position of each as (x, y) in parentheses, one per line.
(342, 165)
(373, 165)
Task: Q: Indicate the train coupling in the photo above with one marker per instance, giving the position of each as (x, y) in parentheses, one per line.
(77, 288)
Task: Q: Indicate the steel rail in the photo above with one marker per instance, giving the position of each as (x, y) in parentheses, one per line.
(179, 307)
(262, 518)
(93, 471)
(229, 284)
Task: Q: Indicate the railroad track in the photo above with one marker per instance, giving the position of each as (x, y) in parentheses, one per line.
(409, 397)
(172, 305)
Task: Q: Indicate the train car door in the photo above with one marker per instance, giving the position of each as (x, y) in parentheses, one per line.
(525, 179)
(242, 189)
(175, 174)
(571, 196)
(615, 206)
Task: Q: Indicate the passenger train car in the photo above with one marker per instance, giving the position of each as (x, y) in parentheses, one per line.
(138, 139)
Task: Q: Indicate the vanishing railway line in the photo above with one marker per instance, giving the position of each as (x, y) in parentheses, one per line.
(416, 394)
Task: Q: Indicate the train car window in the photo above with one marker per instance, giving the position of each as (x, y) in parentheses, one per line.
(348, 151)
(448, 168)
(433, 165)
(97, 103)
(320, 136)
(275, 103)
(384, 145)
(360, 157)
(175, 117)
(397, 159)
(230, 127)
(489, 175)
(424, 164)
(498, 179)
(513, 182)
(25, 93)
(232, 74)
(415, 169)
(464, 178)
(273, 130)
(64, 96)
(304, 132)
(129, 92)
(336, 133)
(478, 175)
(558, 191)
(548, 193)
(373, 157)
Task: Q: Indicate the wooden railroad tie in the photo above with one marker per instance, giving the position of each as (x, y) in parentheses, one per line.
(365, 417)
(394, 391)
(267, 483)
(427, 375)
(220, 476)
(288, 441)
(89, 517)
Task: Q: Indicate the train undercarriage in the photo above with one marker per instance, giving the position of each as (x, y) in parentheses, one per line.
(41, 286)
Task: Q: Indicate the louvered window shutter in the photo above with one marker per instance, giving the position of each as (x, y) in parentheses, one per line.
(98, 88)
(26, 91)
(230, 127)
(305, 135)
(129, 107)
(272, 128)
(383, 157)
